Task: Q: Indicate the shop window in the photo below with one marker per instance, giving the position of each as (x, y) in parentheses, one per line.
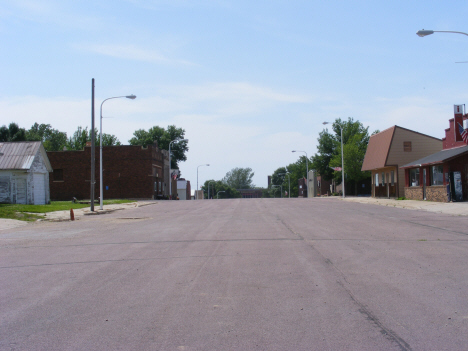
(58, 175)
(414, 177)
(437, 175)
(407, 146)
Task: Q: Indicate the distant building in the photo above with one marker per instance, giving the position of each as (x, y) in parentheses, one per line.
(302, 183)
(132, 172)
(250, 193)
(24, 173)
(183, 189)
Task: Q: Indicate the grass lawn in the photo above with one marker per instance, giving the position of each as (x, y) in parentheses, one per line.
(28, 212)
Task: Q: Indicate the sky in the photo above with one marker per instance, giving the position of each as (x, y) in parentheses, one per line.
(249, 81)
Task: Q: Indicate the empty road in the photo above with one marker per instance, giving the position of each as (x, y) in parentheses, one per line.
(243, 274)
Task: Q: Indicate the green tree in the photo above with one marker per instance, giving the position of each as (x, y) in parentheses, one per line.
(217, 186)
(12, 133)
(296, 171)
(81, 136)
(239, 178)
(355, 140)
(52, 139)
(163, 137)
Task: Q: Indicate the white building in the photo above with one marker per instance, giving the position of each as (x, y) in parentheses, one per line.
(24, 173)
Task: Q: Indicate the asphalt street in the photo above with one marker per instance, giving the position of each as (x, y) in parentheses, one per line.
(243, 274)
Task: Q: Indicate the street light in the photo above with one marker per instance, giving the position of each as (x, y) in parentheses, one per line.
(217, 195)
(289, 182)
(424, 33)
(212, 181)
(197, 175)
(342, 161)
(307, 170)
(132, 97)
(170, 175)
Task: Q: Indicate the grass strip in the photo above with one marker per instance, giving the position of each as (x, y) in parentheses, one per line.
(28, 212)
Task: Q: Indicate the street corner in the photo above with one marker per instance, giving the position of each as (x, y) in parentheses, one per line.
(6, 223)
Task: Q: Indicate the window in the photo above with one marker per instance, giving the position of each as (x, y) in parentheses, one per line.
(437, 175)
(58, 175)
(414, 177)
(376, 179)
(392, 175)
(383, 178)
(407, 146)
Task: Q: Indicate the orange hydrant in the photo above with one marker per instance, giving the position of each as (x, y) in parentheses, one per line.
(72, 215)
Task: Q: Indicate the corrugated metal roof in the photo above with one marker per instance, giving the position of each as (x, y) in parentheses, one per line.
(377, 149)
(18, 155)
(438, 157)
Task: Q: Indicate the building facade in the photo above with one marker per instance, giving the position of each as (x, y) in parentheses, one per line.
(24, 173)
(441, 176)
(390, 149)
(129, 172)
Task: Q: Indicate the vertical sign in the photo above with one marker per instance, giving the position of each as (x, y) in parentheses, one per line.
(459, 111)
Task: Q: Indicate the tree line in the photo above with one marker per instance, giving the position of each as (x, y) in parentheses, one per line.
(328, 156)
(228, 187)
(55, 140)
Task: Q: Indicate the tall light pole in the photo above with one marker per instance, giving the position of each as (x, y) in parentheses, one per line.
(100, 148)
(170, 175)
(342, 160)
(424, 33)
(289, 182)
(197, 175)
(307, 170)
(217, 195)
(209, 188)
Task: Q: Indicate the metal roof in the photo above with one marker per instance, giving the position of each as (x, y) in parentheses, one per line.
(438, 157)
(18, 155)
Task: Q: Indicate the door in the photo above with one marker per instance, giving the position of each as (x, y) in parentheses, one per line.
(457, 182)
(424, 183)
(39, 188)
(5, 193)
(21, 191)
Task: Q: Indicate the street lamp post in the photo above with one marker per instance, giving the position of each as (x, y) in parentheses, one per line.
(209, 188)
(307, 170)
(132, 97)
(289, 182)
(197, 176)
(342, 160)
(170, 175)
(425, 33)
(221, 191)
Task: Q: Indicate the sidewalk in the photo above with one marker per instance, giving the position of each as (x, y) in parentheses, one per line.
(450, 208)
(60, 216)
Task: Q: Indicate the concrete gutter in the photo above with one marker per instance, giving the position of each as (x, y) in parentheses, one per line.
(450, 208)
(62, 216)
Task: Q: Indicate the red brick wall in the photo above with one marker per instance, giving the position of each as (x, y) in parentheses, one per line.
(128, 172)
(449, 141)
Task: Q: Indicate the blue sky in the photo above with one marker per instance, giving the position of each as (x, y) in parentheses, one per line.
(249, 81)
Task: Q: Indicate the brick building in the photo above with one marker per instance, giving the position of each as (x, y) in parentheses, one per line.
(388, 151)
(442, 176)
(134, 172)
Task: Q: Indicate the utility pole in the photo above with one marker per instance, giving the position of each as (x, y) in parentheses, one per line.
(93, 151)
